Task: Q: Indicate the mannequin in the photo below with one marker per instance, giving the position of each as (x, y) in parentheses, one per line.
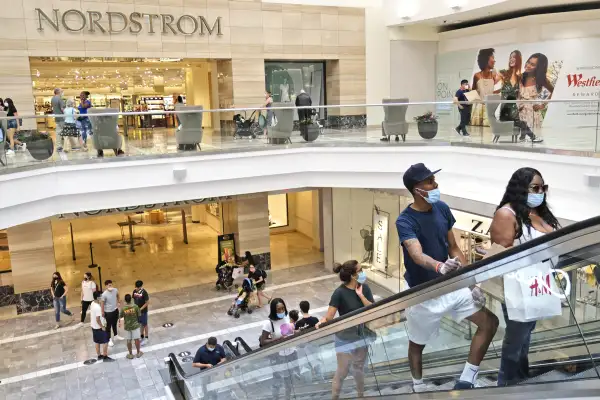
(285, 91)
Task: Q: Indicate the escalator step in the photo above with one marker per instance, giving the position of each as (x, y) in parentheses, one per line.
(549, 376)
(485, 382)
(590, 373)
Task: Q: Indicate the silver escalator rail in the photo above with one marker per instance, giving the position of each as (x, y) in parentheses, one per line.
(566, 240)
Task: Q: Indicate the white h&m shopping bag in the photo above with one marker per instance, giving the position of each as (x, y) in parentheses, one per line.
(531, 293)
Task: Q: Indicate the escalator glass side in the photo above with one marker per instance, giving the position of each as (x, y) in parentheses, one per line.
(312, 364)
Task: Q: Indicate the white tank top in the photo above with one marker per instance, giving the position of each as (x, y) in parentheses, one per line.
(529, 232)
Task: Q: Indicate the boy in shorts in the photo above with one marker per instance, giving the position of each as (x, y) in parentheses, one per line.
(131, 314)
(98, 324)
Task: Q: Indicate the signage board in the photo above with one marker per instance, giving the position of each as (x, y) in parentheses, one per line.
(381, 221)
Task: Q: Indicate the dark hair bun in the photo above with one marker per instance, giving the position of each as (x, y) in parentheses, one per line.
(337, 267)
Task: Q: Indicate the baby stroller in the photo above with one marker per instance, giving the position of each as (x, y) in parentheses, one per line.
(246, 127)
(224, 276)
(241, 301)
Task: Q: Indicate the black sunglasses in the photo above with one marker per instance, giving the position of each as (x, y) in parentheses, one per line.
(538, 188)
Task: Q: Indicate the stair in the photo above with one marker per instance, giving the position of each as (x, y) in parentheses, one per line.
(550, 376)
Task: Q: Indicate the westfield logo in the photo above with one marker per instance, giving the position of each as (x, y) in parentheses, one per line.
(577, 80)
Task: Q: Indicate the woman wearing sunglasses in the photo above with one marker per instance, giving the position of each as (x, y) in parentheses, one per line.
(523, 215)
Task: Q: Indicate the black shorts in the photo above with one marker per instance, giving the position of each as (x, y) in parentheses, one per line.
(100, 336)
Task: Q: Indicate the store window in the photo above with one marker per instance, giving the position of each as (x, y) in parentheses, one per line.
(286, 79)
(4, 254)
(278, 210)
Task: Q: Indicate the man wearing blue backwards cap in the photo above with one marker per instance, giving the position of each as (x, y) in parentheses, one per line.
(430, 251)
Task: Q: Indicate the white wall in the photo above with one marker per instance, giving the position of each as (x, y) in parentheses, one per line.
(477, 174)
(413, 73)
(377, 46)
(400, 12)
(331, 3)
(535, 28)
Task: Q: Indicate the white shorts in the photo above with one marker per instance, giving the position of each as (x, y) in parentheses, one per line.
(423, 320)
(132, 335)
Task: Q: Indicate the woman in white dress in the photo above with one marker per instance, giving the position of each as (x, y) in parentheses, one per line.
(483, 83)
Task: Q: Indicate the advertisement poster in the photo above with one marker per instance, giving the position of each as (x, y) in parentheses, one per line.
(380, 239)
(565, 69)
(226, 247)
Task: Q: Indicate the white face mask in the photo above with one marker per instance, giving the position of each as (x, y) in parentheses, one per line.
(5, 104)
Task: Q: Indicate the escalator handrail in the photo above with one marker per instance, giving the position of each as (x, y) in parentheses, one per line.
(559, 236)
(231, 348)
(241, 341)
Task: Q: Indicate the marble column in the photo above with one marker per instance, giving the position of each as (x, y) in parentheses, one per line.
(31, 249)
(248, 219)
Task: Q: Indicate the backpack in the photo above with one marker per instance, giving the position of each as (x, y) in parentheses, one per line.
(264, 274)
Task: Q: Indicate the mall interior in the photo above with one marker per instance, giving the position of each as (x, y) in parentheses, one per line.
(519, 317)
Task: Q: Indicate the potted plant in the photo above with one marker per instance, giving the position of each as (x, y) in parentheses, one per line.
(427, 125)
(39, 144)
(309, 130)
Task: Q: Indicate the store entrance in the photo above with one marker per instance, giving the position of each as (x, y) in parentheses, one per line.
(127, 84)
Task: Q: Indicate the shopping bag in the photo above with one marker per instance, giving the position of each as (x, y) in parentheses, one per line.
(238, 272)
(252, 300)
(531, 293)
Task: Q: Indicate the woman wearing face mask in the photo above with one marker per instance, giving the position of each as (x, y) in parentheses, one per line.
(88, 287)
(350, 345)
(277, 327)
(59, 290)
(259, 276)
(523, 215)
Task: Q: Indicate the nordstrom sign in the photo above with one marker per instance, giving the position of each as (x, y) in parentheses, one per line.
(116, 22)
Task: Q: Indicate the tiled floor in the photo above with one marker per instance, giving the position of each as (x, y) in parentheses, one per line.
(157, 141)
(164, 262)
(40, 363)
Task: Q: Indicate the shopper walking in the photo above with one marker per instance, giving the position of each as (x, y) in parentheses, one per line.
(430, 250)
(13, 125)
(522, 215)
(277, 327)
(86, 125)
(98, 323)
(142, 300)
(131, 314)
(259, 277)
(58, 108)
(306, 321)
(268, 105)
(59, 290)
(88, 288)
(69, 128)
(110, 309)
(350, 347)
(463, 109)
(303, 100)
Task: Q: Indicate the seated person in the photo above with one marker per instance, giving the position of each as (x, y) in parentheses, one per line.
(510, 112)
(209, 355)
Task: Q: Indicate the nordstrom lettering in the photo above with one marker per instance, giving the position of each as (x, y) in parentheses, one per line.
(112, 22)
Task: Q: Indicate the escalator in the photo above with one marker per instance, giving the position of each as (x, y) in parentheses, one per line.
(564, 352)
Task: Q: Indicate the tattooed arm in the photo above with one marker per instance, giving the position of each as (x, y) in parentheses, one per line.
(416, 254)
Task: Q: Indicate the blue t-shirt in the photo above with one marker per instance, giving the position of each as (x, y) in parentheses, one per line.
(460, 95)
(209, 357)
(83, 110)
(431, 229)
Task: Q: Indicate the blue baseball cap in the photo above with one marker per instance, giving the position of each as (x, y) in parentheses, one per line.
(415, 174)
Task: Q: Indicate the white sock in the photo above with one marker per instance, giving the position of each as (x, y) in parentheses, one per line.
(470, 373)
(417, 381)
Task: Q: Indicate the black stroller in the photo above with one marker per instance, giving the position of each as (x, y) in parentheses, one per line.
(240, 303)
(224, 276)
(246, 127)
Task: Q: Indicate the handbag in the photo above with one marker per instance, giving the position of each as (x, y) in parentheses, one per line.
(531, 293)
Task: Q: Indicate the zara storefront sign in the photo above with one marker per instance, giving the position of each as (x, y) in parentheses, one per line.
(380, 239)
(112, 22)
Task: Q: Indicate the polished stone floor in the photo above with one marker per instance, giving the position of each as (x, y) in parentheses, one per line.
(158, 141)
(41, 363)
(162, 260)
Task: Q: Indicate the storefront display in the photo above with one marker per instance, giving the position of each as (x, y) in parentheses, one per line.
(286, 79)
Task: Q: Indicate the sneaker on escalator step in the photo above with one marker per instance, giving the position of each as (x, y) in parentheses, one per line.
(461, 385)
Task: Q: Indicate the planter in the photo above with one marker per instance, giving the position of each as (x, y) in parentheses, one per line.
(427, 130)
(41, 149)
(309, 132)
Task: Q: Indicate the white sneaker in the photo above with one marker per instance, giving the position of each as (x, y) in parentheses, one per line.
(23, 146)
(423, 387)
(10, 152)
(110, 343)
(117, 337)
(144, 342)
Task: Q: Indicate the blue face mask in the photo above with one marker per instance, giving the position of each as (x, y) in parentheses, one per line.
(281, 315)
(210, 348)
(362, 277)
(433, 196)
(535, 199)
